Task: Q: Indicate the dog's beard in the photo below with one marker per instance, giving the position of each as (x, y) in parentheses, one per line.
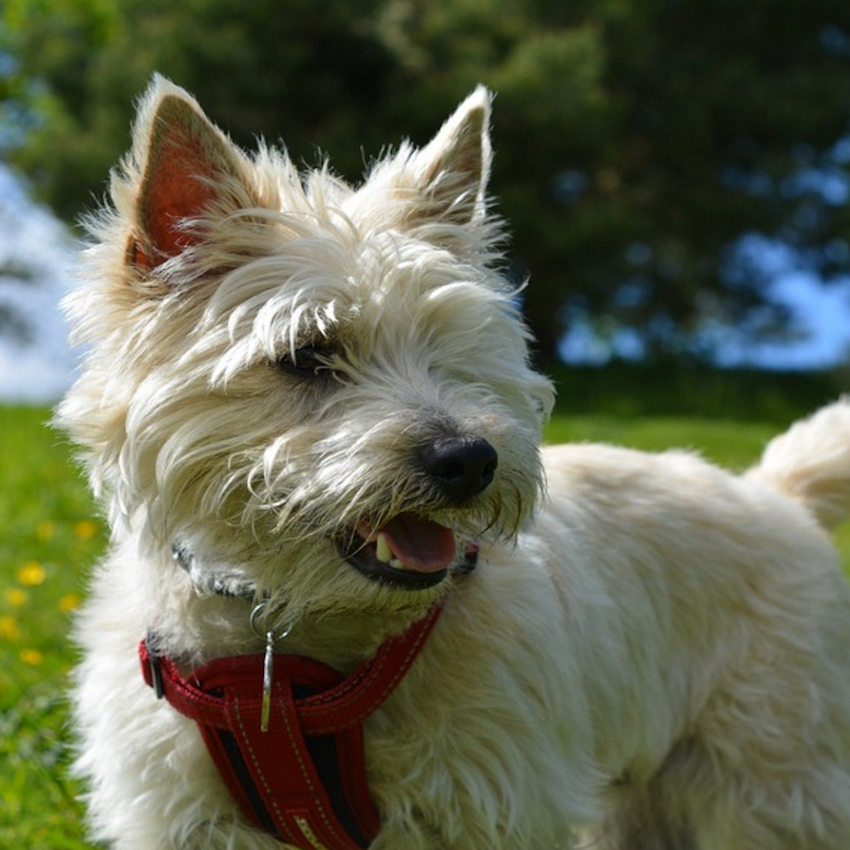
(392, 524)
(316, 490)
(322, 523)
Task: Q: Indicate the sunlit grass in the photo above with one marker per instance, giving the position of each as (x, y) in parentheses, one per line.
(50, 536)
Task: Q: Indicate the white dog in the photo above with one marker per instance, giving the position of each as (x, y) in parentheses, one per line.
(377, 615)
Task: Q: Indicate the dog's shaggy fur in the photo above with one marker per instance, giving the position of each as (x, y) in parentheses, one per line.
(651, 654)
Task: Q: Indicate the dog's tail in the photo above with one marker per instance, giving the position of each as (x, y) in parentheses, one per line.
(811, 463)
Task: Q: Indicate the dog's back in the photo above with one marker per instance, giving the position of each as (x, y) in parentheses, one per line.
(729, 602)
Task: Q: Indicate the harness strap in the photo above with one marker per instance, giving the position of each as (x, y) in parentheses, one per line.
(303, 780)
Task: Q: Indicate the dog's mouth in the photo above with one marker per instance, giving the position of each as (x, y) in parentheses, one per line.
(409, 551)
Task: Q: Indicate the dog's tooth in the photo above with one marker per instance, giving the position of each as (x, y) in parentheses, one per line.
(382, 549)
(397, 565)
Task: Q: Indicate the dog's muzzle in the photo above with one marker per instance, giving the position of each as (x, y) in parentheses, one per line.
(413, 552)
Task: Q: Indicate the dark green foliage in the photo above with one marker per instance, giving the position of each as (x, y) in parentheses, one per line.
(675, 388)
(636, 139)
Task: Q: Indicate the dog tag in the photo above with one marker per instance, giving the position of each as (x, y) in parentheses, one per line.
(268, 679)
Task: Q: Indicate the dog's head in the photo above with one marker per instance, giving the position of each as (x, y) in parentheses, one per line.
(326, 385)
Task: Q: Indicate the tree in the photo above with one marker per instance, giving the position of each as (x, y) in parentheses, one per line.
(637, 140)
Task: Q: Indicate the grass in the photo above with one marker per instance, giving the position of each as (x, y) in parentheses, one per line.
(49, 538)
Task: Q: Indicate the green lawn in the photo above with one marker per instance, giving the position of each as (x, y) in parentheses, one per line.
(49, 538)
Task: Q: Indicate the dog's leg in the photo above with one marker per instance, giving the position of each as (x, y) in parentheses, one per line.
(753, 813)
(767, 769)
(641, 819)
(702, 800)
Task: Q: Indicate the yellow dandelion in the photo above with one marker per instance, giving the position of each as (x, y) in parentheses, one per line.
(9, 628)
(85, 529)
(45, 530)
(16, 597)
(69, 602)
(31, 574)
(32, 657)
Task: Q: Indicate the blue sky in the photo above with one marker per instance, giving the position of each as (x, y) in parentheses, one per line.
(31, 237)
(822, 320)
(820, 331)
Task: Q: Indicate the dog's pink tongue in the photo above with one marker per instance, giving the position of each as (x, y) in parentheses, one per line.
(420, 544)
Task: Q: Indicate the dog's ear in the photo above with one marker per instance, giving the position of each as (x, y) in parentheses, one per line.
(189, 169)
(452, 171)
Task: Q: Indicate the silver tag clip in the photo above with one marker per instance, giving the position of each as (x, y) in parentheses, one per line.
(268, 665)
(268, 681)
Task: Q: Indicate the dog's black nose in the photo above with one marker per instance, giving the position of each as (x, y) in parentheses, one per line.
(462, 467)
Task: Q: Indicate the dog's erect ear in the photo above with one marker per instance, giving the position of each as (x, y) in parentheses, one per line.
(453, 169)
(188, 169)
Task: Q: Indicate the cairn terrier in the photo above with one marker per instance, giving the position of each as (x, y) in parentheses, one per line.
(350, 602)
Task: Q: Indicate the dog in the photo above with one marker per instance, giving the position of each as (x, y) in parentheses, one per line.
(310, 414)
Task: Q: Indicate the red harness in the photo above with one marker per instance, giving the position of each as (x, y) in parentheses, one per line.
(304, 779)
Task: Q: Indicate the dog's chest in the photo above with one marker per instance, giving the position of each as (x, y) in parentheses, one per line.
(480, 745)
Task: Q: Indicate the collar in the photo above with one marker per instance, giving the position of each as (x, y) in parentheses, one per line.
(211, 580)
(290, 750)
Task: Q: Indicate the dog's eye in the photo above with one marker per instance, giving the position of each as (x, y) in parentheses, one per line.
(307, 361)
